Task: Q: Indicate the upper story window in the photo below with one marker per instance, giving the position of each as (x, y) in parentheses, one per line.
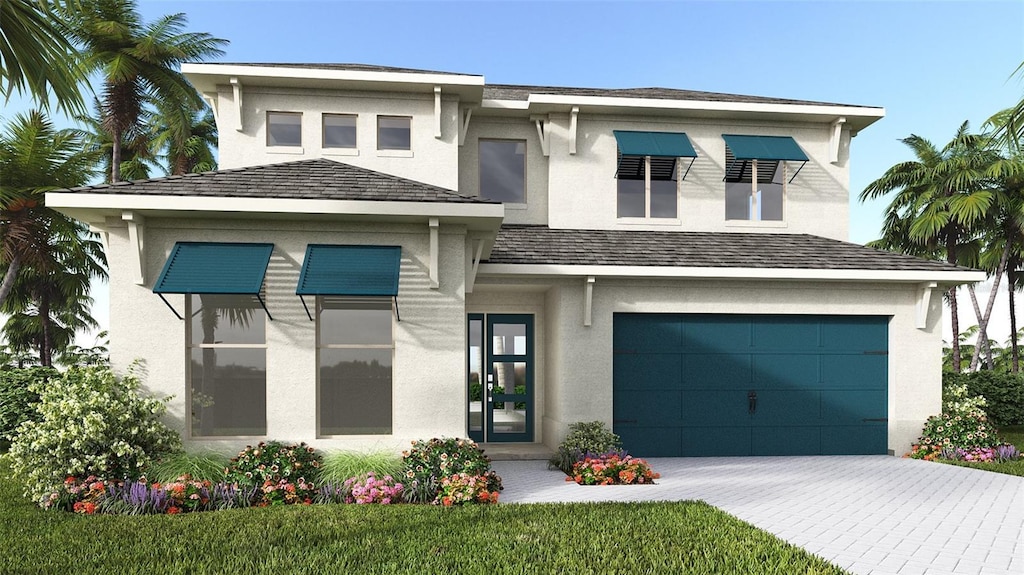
(339, 130)
(394, 132)
(756, 176)
(648, 173)
(284, 129)
(503, 170)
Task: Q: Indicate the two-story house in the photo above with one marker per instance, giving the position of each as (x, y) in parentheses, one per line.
(392, 254)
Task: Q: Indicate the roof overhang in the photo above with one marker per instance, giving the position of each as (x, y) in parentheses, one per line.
(857, 117)
(94, 208)
(206, 78)
(949, 278)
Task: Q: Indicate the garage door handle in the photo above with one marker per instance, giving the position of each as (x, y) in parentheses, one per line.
(752, 402)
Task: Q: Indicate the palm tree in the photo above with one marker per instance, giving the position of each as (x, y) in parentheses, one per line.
(34, 158)
(187, 148)
(137, 158)
(36, 55)
(138, 61)
(1009, 123)
(941, 198)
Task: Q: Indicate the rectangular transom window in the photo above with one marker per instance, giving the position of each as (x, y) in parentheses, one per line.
(355, 349)
(394, 133)
(228, 365)
(503, 170)
(648, 187)
(339, 131)
(284, 129)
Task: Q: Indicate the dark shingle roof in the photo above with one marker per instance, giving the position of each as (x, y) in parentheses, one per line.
(317, 179)
(515, 92)
(525, 244)
(342, 66)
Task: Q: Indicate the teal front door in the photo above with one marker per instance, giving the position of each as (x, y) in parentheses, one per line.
(713, 385)
(500, 377)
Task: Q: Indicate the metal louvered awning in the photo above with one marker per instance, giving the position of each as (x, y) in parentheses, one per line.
(214, 268)
(349, 270)
(664, 148)
(768, 151)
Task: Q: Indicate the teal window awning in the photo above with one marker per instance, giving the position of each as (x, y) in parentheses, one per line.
(349, 270)
(214, 268)
(740, 150)
(664, 149)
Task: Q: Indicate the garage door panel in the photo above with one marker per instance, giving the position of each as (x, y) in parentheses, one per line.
(640, 408)
(786, 441)
(846, 371)
(785, 333)
(774, 406)
(651, 441)
(855, 333)
(868, 439)
(715, 441)
(716, 333)
(647, 332)
(853, 406)
(786, 371)
(714, 408)
(727, 370)
(647, 371)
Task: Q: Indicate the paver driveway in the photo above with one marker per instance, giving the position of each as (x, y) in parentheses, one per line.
(867, 514)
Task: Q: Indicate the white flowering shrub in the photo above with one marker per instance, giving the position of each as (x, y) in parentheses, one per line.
(92, 423)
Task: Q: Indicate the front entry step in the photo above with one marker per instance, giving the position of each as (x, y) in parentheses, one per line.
(517, 451)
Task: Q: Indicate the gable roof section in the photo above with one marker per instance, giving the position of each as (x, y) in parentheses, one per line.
(540, 245)
(316, 179)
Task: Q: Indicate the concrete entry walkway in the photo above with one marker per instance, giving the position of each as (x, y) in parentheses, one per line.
(867, 514)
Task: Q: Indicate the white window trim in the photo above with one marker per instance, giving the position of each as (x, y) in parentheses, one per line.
(401, 151)
(189, 346)
(647, 198)
(339, 150)
(284, 149)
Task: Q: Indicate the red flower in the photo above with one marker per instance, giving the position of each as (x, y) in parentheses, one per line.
(172, 510)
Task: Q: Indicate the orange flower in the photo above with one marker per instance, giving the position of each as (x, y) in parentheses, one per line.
(172, 510)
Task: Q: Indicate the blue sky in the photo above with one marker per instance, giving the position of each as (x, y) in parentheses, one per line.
(932, 65)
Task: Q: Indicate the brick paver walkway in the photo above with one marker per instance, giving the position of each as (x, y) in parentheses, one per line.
(868, 514)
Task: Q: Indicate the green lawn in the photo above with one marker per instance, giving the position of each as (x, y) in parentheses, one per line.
(1012, 434)
(690, 537)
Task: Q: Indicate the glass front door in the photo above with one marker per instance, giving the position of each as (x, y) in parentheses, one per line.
(500, 377)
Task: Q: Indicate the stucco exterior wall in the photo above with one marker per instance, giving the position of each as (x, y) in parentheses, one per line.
(582, 189)
(535, 210)
(431, 160)
(429, 356)
(579, 360)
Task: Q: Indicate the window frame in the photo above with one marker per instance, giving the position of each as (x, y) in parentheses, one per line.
(320, 346)
(323, 130)
(526, 169)
(190, 346)
(753, 199)
(283, 113)
(391, 117)
(647, 192)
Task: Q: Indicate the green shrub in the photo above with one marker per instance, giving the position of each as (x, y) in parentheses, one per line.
(274, 461)
(18, 403)
(962, 424)
(429, 462)
(92, 423)
(208, 466)
(584, 437)
(1004, 393)
(341, 465)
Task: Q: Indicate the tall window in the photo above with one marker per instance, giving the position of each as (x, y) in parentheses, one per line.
(228, 365)
(394, 133)
(754, 189)
(355, 344)
(339, 130)
(648, 187)
(503, 170)
(284, 129)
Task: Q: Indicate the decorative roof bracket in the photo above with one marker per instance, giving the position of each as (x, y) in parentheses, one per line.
(572, 129)
(437, 112)
(136, 237)
(237, 87)
(836, 140)
(467, 113)
(544, 133)
(924, 299)
(434, 249)
(588, 301)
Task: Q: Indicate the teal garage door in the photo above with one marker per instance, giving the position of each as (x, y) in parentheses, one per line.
(712, 385)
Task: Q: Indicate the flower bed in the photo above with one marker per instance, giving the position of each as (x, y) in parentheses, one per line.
(614, 468)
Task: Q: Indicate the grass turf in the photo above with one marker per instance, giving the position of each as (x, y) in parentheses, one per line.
(1011, 434)
(690, 537)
